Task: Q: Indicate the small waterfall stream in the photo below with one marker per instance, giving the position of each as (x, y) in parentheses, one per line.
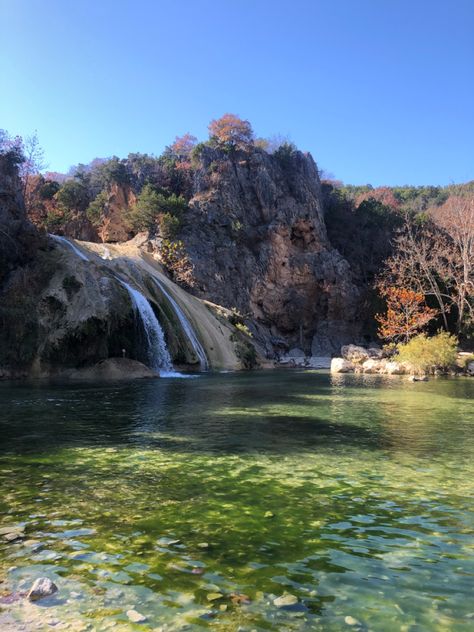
(187, 328)
(69, 244)
(158, 354)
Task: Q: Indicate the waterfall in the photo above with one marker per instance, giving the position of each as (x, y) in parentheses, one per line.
(63, 240)
(158, 354)
(187, 328)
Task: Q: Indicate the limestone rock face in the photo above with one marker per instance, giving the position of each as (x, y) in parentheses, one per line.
(256, 239)
(114, 226)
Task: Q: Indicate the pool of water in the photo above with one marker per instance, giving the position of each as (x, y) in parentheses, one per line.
(198, 503)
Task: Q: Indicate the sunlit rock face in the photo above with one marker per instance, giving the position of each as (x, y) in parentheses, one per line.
(256, 237)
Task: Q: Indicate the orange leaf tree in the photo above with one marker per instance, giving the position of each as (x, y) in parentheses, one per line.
(230, 130)
(407, 313)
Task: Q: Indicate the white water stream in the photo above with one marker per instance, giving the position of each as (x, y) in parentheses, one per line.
(158, 354)
(187, 328)
(69, 244)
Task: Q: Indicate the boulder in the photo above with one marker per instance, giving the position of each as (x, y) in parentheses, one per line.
(373, 366)
(114, 369)
(340, 365)
(375, 352)
(296, 353)
(42, 587)
(470, 368)
(393, 368)
(354, 353)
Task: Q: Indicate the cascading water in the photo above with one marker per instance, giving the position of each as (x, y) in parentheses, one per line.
(64, 241)
(158, 354)
(187, 328)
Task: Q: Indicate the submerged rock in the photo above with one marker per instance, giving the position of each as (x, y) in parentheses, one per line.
(418, 378)
(285, 601)
(42, 587)
(135, 616)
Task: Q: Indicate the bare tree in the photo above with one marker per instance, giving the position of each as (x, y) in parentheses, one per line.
(456, 218)
(33, 163)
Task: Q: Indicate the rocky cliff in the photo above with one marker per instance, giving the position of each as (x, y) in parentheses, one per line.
(64, 306)
(18, 237)
(256, 239)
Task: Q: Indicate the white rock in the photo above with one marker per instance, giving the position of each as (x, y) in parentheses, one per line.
(373, 366)
(42, 587)
(285, 600)
(470, 367)
(351, 621)
(135, 616)
(340, 365)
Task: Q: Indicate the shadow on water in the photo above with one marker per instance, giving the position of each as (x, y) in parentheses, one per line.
(268, 412)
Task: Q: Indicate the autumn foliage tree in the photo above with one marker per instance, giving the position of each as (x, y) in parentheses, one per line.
(183, 145)
(230, 131)
(407, 313)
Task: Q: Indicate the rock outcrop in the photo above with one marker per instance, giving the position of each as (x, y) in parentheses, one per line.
(256, 239)
(113, 369)
(18, 237)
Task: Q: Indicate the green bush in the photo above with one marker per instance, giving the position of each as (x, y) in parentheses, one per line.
(169, 225)
(427, 355)
(246, 353)
(150, 204)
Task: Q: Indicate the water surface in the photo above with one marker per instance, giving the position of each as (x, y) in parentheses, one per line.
(199, 502)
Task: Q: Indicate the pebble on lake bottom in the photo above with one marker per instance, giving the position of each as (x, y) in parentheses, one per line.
(285, 600)
(136, 617)
(351, 621)
(42, 587)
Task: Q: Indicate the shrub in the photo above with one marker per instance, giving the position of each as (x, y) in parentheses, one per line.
(429, 354)
(245, 351)
(284, 154)
(169, 225)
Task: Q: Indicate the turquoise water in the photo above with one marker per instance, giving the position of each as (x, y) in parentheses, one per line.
(200, 502)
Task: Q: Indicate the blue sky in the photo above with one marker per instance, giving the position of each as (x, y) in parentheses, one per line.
(379, 91)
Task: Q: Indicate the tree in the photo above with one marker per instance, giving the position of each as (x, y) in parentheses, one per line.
(183, 145)
(456, 219)
(230, 131)
(72, 196)
(406, 313)
(32, 164)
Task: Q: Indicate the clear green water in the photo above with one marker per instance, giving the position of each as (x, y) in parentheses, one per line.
(354, 493)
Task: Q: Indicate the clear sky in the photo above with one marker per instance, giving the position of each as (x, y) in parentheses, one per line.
(379, 91)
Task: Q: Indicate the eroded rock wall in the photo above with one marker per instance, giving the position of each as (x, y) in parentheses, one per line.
(256, 239)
